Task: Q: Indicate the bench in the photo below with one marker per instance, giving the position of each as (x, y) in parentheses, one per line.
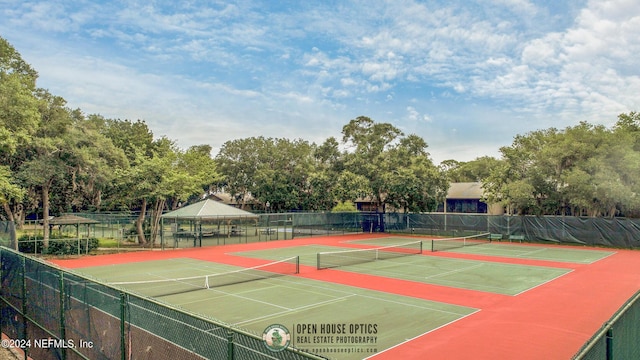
(268, 231)
(494, 237)
(519, 238)
(237, 232)
(211, 233)
(183, 235)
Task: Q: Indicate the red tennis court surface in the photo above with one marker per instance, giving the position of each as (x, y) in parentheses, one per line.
(551, 321)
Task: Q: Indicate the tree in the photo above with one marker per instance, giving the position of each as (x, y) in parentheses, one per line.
(238, 162)
(350, 187)
(19, 121)
(9, 191)
(397, 168)
(368, 141)
(580, 170)
(472, 171)
(50, 150)
(413, 183)
(283, 175)
(93, 164)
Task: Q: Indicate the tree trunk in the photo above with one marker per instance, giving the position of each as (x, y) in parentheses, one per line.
(155, 219)
(97, 199)
(12, 227)
(19, 215)
(139, 223)
(7, 209)
(243, 204)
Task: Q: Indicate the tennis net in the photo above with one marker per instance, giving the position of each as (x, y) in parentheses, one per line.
(331, 259)
(459, 242)
(165, 287)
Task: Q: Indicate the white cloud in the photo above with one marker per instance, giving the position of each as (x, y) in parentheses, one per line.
(415, 115)
(264, 67)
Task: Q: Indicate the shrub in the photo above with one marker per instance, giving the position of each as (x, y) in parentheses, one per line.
(346, 206)
(66, 246)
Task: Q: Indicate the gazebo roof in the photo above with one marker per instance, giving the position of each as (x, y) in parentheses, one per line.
(71, 220)
(208, 209)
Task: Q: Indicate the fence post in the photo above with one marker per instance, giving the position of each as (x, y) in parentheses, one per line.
(609, 344)
(24, 303)
(63, 334)
(123, 317)
(230, 345)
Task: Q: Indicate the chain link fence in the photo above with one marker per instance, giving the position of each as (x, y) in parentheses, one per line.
(619, 338)
(55, 314)
(610, 232)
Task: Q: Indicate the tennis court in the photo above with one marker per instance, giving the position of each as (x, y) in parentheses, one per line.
(384, 320)
(480, 245)
(499, 278)
(570, 255)
(494, 300)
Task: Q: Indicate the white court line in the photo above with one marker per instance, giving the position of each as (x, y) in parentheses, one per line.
(417, 306)
(531, 252)
(294, 310)
(548, 281)
(460, 284)
(359, 294)
(508, 250)
(602, 258)
(454, 271)
(425, 333)
(237, 295)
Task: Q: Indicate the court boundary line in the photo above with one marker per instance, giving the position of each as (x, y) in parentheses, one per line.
(293, 310)
(546, 282)
(423, 334)
(315, 281)
(542, 247)
(482, 262)
(499, 290)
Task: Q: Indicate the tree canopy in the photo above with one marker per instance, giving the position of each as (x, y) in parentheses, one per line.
(581, 170)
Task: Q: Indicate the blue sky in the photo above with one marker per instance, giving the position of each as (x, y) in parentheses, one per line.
(467, 76)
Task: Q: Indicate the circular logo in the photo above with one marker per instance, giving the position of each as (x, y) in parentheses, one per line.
(276, 337)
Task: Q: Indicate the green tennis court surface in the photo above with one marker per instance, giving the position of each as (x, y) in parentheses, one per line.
(507, 279)
(321, 316)
(579, 256)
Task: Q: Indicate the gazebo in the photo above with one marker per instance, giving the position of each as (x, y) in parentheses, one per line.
(206, 219)
(72, 220)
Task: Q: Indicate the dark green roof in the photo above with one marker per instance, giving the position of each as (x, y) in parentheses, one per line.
(71, 220)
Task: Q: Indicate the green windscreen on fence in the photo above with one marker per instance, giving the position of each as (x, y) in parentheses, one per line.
(619, 338)
(84, 319)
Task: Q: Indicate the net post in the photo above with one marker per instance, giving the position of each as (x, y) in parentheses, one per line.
(433, 245)
(298, 264)
(421, 245)
(318, 261)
